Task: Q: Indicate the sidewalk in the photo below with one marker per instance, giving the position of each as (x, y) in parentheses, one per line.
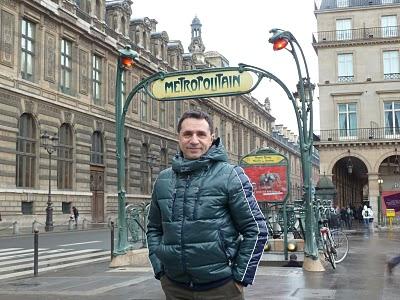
(362, 275)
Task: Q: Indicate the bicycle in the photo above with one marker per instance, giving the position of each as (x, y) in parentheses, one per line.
(328, 245)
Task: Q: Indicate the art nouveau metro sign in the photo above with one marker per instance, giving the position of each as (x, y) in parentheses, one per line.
(200, 84)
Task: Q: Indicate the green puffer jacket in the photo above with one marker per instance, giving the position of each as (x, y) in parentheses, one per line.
(198, 209)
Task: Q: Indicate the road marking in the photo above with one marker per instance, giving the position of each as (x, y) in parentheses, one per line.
(83, 243)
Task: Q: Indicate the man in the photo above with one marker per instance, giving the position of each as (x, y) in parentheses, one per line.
(205, 232)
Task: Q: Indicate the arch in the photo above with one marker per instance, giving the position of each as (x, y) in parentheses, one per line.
(382, 157)
(26, 151)
(345, 155)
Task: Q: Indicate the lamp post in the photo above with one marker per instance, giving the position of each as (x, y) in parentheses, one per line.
(126, 61)
(50, 143)
(380, 182)
(302, 103)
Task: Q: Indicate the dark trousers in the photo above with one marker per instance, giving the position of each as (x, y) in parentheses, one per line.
(228, 291)
(394, 261)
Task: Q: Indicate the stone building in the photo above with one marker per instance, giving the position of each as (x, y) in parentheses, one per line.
(358, 45)
(57, 75)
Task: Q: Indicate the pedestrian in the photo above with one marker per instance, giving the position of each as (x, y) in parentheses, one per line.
(367, 214)
(292, 261)
(393, 263)
(76, 214)
(349, 217)
(205, 231)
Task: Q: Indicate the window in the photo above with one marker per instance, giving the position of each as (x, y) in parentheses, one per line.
(144, 168)
(126, 156)
(26, 152)
(178, 112)
(66, 66)
(123, 25)
(96, 153)
(223, 131)
(345, 67)
(144, 106)
(64, 157)
(162, 114)
(27, 208)
(163, 159)
(27, 49)
(123, 87)
(342, 3)
(347, 119)
(391, 68)
(389, 26)
(387, 1)
(392, 117)
(96, 79)
(66, 207)
(343, 29)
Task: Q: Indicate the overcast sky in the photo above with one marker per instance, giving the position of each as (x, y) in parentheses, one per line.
(239, 30)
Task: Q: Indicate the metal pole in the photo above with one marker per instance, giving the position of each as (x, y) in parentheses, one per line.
(112, 239)
(379, 206)
(49, 209)
(35, 252)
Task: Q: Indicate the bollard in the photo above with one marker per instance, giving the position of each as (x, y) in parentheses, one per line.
(34, 226)
(71, 223)
(84, 223)
(15, 228)
(35, 252)
(112, 239)
(109, 222)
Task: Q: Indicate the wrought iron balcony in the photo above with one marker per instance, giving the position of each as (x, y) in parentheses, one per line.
(340, 4)
(391, 76)
(359, 34)
(358, 135)
(345, 78)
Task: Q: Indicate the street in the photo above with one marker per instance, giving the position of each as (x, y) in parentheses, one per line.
(362, 275)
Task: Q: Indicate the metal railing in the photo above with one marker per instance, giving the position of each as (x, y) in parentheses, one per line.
(340, 4)
(358, 34)
(136, 222)
(359, 134)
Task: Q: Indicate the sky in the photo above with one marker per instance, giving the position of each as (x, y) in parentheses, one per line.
(239, 30)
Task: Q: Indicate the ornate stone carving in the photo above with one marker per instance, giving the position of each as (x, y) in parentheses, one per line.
(7, 38)
(50, 58)
(50, 24)
(83, 72)
(9, 3)
(9, 99)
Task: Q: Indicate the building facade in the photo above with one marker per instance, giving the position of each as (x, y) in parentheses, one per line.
(58, 61)
(358, 45)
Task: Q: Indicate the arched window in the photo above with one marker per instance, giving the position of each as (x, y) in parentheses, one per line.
(96, 153)
(64, 157)
(26, 152)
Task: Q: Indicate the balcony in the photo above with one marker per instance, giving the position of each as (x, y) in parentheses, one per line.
(358, 135)
(342, 4)
(359, 34)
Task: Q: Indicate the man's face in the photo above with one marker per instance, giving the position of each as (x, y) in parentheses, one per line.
(195, 138)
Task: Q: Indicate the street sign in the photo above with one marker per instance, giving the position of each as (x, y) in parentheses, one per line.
(390, 213)
(268, 173)
(200, 84)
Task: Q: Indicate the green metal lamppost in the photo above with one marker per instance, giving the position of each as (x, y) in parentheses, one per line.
(302, 102)
(126, 61)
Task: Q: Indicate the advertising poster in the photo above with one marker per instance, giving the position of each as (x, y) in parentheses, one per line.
(268, 175)
(392, 201)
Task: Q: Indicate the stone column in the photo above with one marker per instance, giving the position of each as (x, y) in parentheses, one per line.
(373, 194)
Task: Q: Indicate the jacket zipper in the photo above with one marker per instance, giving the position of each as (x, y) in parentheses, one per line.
(196, 204)
(173, 205)
(187, 184)
(222, 241)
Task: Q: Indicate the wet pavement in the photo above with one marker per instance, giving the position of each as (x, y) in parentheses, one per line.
(362, 275)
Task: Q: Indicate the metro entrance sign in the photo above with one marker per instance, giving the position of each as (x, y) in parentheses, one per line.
(210, 82)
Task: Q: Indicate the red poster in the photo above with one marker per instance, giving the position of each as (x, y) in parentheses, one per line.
(269, 182)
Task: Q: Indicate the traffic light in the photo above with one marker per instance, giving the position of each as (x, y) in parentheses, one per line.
(280, 44)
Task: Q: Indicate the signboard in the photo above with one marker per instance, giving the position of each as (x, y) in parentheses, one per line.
(211, 82)
(268, 173)
(392, 201)
(390, 213)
